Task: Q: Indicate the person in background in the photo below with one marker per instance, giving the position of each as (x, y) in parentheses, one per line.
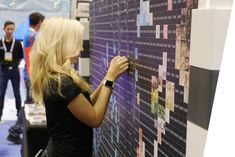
(35, 20)
(11, 53)
(70, 110)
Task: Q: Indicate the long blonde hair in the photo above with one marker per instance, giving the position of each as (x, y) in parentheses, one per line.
(58, 42)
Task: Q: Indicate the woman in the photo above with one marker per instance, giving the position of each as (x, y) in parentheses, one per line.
(71, 112)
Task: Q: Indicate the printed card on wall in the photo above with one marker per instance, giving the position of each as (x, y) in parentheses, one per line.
(138, 20)
(159, 136)
(167, 115)
(170, 95)
(136, 75)
(155, 123)
(178, 32)
(104, 65)
(186, 93)
(185, 16)
(143, 150)
(154, 95)
(139, 148)
(145, 18)
(182, 55)
(138, 32)
(165, 31)
(161, 112)
(138, 98)
(184, 78)
(158, 31)
(114, 47)
(184, 32)
(140, 136)
(159, 85)
(136, 52)
(164, 59)
(140, 151)
(155, 149)
(170, 5)
(142, 7)
(162, 72)
(177, 53)
(146, 6)
(181, 32)
(189, 3)
(150, 17)
(160, 123)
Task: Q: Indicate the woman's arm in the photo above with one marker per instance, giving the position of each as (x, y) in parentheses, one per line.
(93, 116)
(96, 93)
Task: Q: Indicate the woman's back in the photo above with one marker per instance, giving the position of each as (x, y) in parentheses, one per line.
(68, 135)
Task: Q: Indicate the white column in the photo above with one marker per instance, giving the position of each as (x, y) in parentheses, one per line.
(208, 34)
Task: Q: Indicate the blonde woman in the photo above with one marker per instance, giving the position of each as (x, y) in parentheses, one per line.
(71, 112)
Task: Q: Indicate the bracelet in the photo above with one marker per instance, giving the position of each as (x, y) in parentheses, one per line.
(108, 83)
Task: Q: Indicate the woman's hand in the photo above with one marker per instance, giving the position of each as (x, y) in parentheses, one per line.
(117, 66)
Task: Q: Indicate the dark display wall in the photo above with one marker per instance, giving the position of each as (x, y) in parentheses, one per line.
(147, 114)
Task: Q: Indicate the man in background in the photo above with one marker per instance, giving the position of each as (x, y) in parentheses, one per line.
(35, 20)
(11, 53)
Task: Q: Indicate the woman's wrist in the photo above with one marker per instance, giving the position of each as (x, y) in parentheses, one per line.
(110, 78)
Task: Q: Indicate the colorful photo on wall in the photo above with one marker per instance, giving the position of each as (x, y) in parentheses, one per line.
(185, 16)
(160, 123)
(181, 32)
(154, 95)
(185, 55)
(161, 112)
(184, 78)
(170, 95)
(140, 150)
(189, 3)
(182, 55)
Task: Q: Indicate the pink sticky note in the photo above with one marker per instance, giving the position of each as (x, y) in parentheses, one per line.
(165, 31)
(170, 5)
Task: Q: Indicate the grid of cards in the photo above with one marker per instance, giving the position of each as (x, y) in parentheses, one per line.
(147, 114)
